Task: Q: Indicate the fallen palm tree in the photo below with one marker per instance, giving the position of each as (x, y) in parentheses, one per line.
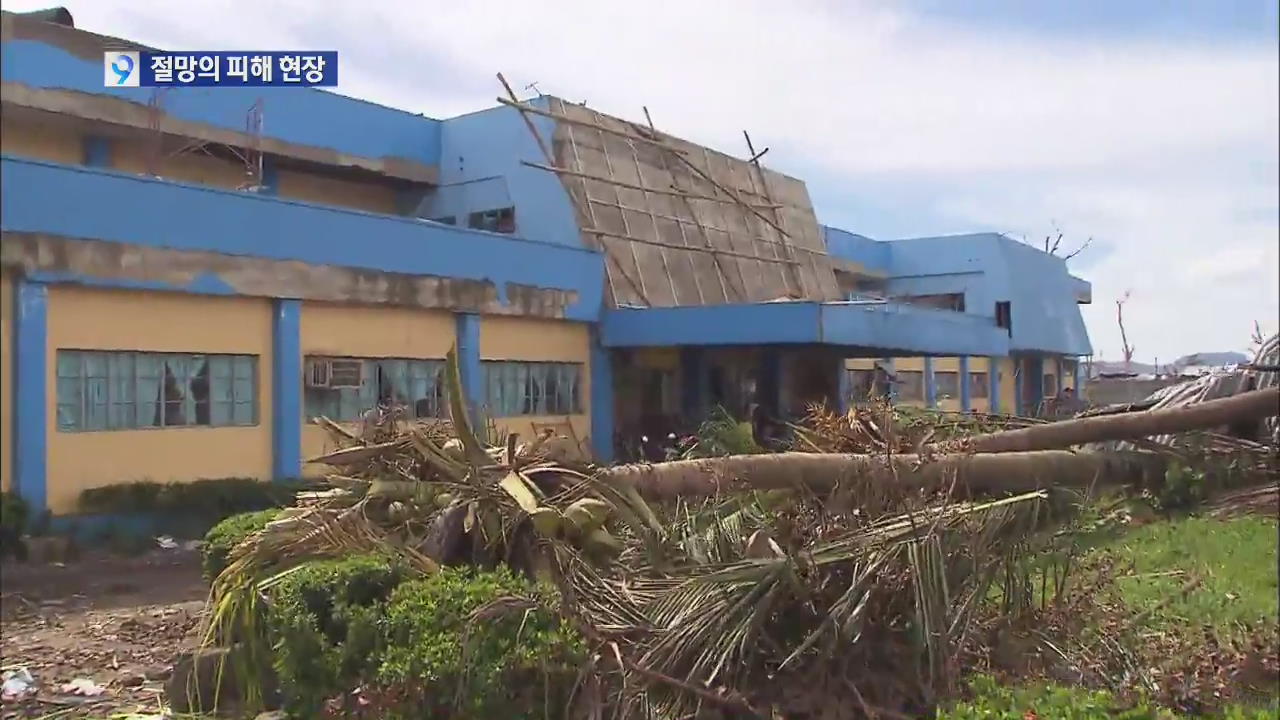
(1246, 407)
(758, 585)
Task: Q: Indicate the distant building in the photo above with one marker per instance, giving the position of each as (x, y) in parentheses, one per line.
(191, 275)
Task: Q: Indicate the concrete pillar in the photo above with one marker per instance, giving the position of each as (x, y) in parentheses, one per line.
(97, 151)
(842, 386)
(993, 385)
(966, 396)
(693, 383)
(467, 348)
(286, 389)
(930, 385)
(887, 364)
(30, 389)
(602, 411)
(769, 379)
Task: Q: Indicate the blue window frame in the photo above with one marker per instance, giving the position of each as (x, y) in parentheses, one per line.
(418, 385)
(532, 388)
(125, 390)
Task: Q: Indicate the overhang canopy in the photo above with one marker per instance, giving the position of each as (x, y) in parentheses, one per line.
(880, 329)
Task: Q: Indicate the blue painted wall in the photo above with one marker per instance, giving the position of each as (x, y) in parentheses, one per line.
(480, 169)
(873, 254)
(127, 208)
(987, 268)
(301, 115)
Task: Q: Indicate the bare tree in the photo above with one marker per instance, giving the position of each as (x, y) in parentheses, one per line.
(1053, 241)
(1124, 338)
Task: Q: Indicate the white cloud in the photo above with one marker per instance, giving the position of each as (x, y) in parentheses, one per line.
(1165, 152)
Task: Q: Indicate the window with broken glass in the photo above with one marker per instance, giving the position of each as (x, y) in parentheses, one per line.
(532, 388)
(122, 390)
(416, 385)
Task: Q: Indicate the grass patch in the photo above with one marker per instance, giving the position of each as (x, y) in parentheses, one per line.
(1234, 562)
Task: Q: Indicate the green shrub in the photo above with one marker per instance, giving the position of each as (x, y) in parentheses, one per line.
(224, 536)
(518, 661)
(324, 623)
(992, 701)
(214, 497)
(14, 514)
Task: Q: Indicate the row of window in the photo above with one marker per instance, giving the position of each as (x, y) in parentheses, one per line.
(910, 386)
(119, 390)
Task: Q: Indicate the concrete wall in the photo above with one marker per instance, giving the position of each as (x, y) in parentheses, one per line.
(367, 332)
(544, 341)
(7, 302)
(44, 142)
(339, 192)
(511, 274)
(91, 319)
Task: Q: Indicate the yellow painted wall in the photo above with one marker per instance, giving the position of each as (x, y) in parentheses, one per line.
(46, 142)
(308, 187)
(367, 332)
(503, 338)
(190, 167)
(90, 319)
(6, 382)
(1008, 385)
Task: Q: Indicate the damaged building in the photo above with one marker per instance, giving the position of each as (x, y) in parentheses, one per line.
(192, 275)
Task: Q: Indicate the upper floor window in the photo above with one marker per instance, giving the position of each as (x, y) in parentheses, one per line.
(1004, 316)
(343, 388)
(501, 220)
(532, 388)
(123, 390)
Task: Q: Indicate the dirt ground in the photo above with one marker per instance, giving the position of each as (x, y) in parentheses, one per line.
(118, 621)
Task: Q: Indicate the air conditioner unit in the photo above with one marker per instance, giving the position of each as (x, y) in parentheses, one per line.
(333, 373)
(346, 373)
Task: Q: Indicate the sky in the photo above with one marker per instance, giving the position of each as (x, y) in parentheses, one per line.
(1147, 127)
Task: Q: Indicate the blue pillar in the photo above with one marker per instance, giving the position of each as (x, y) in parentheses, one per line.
(843, 390)
(930, 385)
(601, 400)
(468, 353)
(993, 386)
(693, 382)
(966, 396)
(286, 389)
(97, 151)
(1078, 378)
(30, 419)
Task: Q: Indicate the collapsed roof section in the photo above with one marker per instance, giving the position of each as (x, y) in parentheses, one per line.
(681, 224)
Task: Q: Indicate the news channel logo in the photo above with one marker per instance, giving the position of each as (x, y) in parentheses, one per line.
(121, 68)
(272, 68)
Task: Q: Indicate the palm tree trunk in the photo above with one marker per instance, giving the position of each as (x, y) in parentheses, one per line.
(973, 474)
(1245, 407)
